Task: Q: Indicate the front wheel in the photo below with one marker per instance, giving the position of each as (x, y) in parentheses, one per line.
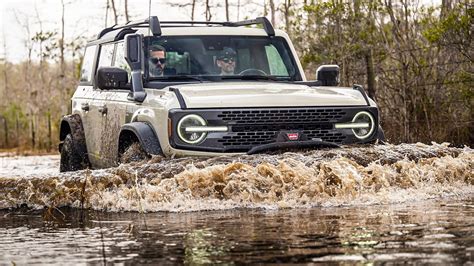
(72, 159)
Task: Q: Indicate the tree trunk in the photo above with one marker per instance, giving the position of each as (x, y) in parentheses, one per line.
(127, 18)
(370, 74)
(238, 10)
(227, 10)
(272, 11)
(208, 11)
(193, 8)
(5, 128)
(286, 11)
(61, 41)
(106, 13)
(115, 11)
(445, 7)
(33, 133)
(17, 130)
(50, 134)
(5, 67)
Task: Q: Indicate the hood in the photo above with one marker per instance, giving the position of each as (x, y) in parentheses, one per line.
(266, 94)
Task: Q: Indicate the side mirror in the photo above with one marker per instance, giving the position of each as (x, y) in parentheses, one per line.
(133, 50)
(134, 57)
(110, 78)
(328, 75)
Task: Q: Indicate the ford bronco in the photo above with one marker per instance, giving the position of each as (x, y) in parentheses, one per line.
(177, 88)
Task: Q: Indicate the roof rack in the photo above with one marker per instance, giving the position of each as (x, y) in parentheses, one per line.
(152, 22)
(155, 25)
(267, 26)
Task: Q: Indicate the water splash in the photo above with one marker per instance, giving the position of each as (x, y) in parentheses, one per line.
(350, 176)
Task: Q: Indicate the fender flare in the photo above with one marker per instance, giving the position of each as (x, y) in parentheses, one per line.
(72, 124)
(380, 136)
(145, 135)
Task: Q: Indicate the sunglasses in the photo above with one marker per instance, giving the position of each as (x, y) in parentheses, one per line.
(155, 60)
(227, 59)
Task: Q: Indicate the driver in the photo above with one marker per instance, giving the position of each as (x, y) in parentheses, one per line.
(226, 61)
(157, 60)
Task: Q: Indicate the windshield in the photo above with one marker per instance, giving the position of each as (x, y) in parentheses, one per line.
(219, 58)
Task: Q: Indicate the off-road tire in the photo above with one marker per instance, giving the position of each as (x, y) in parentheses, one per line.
(71, 158)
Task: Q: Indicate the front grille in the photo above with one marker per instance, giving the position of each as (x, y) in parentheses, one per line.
(251, 127)
(260, 138)
(257, 127)
(270, 116)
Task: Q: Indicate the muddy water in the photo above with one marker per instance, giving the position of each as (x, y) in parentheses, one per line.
(410, 202)
(439, 232)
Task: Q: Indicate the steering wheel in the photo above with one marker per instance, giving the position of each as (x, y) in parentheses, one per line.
(252, 71)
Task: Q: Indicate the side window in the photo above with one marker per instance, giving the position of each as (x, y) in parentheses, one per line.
(275, 62)
(87, 64)
(119, 60)
(106, 55)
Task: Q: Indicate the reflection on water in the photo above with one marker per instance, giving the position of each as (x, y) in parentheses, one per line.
(429, 232)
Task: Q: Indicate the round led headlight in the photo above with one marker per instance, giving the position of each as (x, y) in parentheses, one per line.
(191, 121)
(363, 118)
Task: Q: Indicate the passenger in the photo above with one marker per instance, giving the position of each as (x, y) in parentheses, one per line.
(157, 60)
(226, 61)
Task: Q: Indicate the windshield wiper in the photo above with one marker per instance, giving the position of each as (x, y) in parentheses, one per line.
(177, 77)
(251, 77)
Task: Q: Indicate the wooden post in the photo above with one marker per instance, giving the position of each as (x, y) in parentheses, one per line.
(33, 132)
(17, 132)
(50, 137)
(5, 127)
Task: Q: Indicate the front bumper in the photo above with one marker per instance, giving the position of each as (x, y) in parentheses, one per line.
(252, 127)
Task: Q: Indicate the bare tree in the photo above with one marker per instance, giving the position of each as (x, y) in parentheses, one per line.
(106, 13)
(193, 9)
(238, 10)
(287, 15)
(5, 67)
(184, 5)
(127, 18)
(227, 10)
(24, 21)
(115, 11)
(61, 40)
(208, 11)
(272, 11)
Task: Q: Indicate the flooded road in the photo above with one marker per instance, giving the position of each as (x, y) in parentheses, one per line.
(388, 203)
(430, 232)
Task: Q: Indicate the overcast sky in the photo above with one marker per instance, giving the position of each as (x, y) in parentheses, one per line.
(87, 17)
(84, 18)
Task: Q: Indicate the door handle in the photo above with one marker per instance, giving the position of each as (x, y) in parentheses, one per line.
(85, 107)
(103, 109)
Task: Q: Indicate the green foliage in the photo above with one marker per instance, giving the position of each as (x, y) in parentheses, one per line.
(420, 74)
(14, 114)
(458, 22)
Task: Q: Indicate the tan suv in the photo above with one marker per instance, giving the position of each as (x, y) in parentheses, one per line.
(205, 89)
